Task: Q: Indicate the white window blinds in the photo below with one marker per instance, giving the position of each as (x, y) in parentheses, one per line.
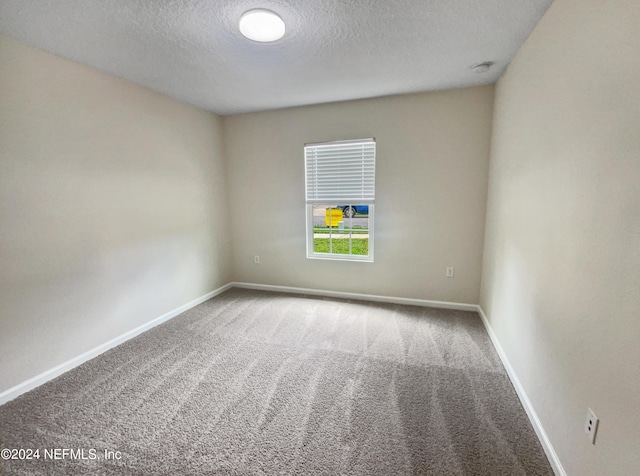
(341, 172)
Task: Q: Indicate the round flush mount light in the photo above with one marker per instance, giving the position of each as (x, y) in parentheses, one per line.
(482, 67)
(262, 25)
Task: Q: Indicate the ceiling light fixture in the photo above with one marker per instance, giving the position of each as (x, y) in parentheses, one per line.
(482, 67)
(262, 25)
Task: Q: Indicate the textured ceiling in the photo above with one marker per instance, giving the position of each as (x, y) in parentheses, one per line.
(333, 50)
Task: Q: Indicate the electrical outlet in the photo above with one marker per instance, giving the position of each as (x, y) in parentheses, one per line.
(591, 426)
(256, 259)
(450, 271)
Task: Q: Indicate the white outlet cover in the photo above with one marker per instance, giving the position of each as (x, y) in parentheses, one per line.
(591, 425)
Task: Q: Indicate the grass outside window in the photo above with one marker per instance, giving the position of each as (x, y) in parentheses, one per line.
(359, 246)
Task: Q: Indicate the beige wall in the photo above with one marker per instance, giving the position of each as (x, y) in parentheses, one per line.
(561, 279)
(431, 171)
(112, 208)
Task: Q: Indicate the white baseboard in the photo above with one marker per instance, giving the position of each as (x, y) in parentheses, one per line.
(50, 374)
(358, 296)
(552, 456)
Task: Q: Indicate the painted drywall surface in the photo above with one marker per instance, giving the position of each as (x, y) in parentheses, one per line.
(431, 172)
(561, 277)
(112, 208)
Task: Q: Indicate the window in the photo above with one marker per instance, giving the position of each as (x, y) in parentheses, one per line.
(340, 195)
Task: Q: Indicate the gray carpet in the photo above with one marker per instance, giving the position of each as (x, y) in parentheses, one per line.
(262, 383)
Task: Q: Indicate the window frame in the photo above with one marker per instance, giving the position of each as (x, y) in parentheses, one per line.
(311, 254)
(309, 205)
